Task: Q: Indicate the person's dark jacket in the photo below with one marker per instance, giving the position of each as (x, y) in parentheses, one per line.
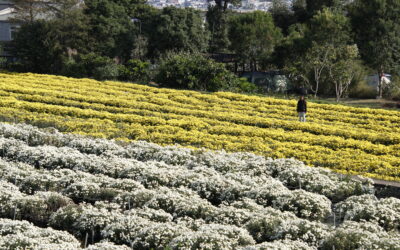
(301, 106)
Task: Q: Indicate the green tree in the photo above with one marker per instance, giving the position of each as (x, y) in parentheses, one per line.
(299, 8)
(342, 68)
(217, 17)
(224, 4)
(377, 30)
(327, 30)
(311, 66)
(37, 48)
(254, 36)
(292, 46)
(178, 29)
(330, 26)
(64, 33)
(282, 14)
(304, 10)
(71, 29)
(217, 24)
(111, 27)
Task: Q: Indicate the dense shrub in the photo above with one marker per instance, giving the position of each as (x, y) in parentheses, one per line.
(91, 65)
(245, 86)
(394, 89)
(194, 71)
(135, 71)
(110, 71)
(362, 90)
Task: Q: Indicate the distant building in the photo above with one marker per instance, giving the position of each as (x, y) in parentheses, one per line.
(7, 29)
(271, 81)
(373, 80)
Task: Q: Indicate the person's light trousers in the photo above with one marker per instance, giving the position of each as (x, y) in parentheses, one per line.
(302, 116)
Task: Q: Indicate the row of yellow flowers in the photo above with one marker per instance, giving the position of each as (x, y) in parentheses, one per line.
(214, 126)
(112, 105)
(190, 101)
(354, 144)
(216, 117)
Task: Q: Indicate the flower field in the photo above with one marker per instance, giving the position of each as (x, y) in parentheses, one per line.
(66, 191)
(345, 139)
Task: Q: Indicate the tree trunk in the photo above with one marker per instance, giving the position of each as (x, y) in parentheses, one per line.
(337, 92)
(380, 87)
(225, 5)
(316, 89)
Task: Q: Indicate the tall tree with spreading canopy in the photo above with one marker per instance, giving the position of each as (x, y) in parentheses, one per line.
(282, 14)
(254, 37)
(327, 30)
(377, 28)
(217, 24)
(217, 17)
(111, 27)
(38, 48)
(177, 29)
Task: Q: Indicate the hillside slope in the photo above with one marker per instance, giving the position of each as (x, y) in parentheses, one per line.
(346, 139)
(145, 196)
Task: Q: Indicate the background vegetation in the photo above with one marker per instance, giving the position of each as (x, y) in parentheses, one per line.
(328, 46)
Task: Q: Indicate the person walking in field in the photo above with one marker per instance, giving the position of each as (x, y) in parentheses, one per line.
(302, 109)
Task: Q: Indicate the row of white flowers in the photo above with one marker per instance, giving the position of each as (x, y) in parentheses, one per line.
(147, 196)
(147, 228)
(207, 182)
(164, 205)
(292, 173)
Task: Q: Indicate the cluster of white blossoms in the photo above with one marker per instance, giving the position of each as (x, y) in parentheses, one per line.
(16, 234)
(145, 196)
(385, 212)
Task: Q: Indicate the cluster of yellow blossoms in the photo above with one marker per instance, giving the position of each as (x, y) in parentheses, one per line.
(346, 139)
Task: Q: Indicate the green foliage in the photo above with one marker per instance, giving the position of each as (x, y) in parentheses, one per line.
(194, 71)
(245, 86)
(362, 90)
(2, 59)
(217, 20)
(177, 29)
(71, 28)
(331, 27)
(360, 87)
(37, 48)
(223, 4)
(254, 36)
(394, 88)
(111, 27)
(282, 14)
(327, 36)
(135, 70)
(83, 39)
(91, 64)
(342, 68)
(110, 71)
(377, 31)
